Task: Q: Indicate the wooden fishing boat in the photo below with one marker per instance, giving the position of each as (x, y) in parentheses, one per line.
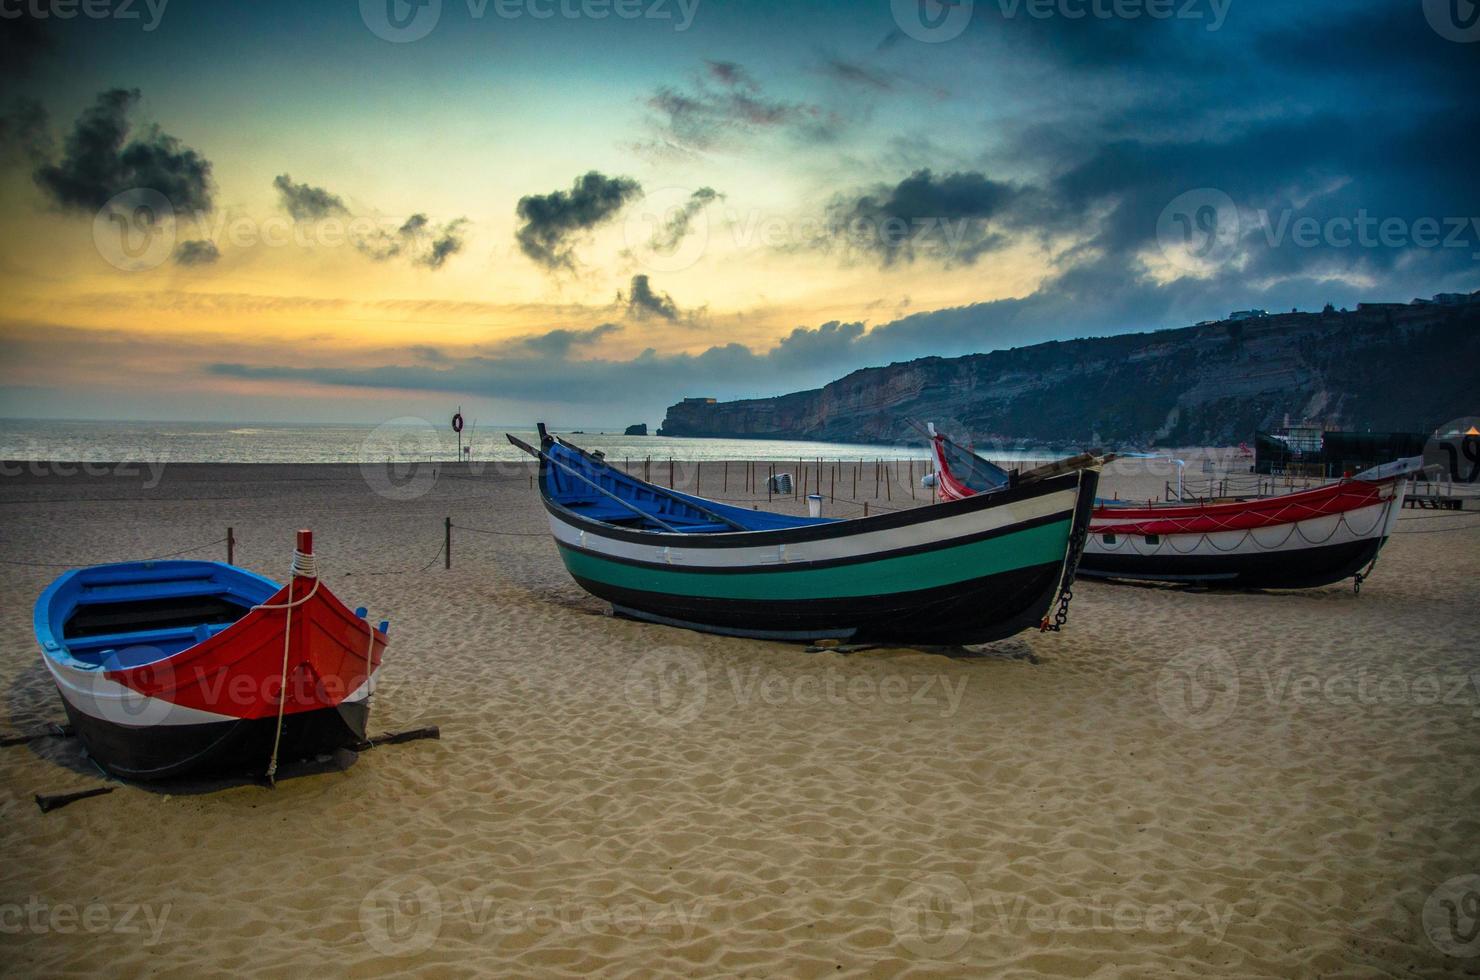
(968, 571)
(1299, 540)
(191, 668)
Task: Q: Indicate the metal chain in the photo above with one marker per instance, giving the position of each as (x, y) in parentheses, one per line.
(1066, 594)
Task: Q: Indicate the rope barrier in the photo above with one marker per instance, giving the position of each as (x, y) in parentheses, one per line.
(79, 564)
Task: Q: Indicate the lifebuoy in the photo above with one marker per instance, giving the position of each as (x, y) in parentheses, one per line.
(457, 422)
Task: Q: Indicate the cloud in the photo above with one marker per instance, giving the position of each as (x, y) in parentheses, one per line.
(417, 238)
(674, 230)
(644, 302)
(23, 134)
(730, 73)
(726, 105)
(855, 74)
(100, 161)
(305, 202)
(551, 221)
(197, 252)
(945, 217)
(558, 343)
(447, 242)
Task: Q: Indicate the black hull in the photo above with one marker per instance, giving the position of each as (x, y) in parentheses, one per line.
(977, 611)
(226, 748)
(1302, 568)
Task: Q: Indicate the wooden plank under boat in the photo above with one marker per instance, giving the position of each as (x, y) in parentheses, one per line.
(967, 571)
(192, 668)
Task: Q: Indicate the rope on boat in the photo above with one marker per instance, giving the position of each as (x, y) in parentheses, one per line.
(1248, 535)
(305, 565)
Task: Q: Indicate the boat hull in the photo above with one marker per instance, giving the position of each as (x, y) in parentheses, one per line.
(234, 746)
(1320, 550)
(1303, 568)
(175, 669)
(968, 572)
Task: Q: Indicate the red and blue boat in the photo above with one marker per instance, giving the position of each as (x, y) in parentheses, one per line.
(170, 669)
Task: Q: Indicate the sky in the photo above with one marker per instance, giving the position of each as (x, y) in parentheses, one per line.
(584, 210)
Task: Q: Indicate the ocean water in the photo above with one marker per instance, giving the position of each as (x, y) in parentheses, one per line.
(403, 440)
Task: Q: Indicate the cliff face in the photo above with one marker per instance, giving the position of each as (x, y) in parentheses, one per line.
(1405, 369)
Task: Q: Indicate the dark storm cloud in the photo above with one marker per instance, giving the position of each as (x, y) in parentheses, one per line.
(305, 202)
(197, 252)
(101, 161)
(643, 301)
(946, 217)
(551, 221)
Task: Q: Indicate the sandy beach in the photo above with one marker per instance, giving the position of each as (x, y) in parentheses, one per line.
(1181, 783)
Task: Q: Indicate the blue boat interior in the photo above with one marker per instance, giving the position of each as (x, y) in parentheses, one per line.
(592, 488)
(112, 617)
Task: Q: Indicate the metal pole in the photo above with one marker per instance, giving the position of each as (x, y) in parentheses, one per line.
(230, 546)
(447, 543)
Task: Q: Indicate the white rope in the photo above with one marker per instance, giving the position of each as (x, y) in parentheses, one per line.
(304, 565)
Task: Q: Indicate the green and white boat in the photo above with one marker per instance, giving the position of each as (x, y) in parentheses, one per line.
(963, 571)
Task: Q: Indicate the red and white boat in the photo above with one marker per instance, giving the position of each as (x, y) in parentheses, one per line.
(1299, 540)
(190, 668)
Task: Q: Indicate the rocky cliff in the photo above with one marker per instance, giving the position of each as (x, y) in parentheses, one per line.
(1384, 367)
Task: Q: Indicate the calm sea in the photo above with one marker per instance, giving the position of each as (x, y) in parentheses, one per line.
(403, 440)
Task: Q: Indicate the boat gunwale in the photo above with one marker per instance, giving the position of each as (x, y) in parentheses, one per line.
(842, 528)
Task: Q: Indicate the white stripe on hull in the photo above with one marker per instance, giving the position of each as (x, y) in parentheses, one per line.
(1057, 504)
(1362, 524)
(93, 694)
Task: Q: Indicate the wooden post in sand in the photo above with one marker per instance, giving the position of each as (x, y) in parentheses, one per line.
(230, 546)
(725, 488)
(447, 543)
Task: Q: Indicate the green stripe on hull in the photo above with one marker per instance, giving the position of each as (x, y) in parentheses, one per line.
(907, 573)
